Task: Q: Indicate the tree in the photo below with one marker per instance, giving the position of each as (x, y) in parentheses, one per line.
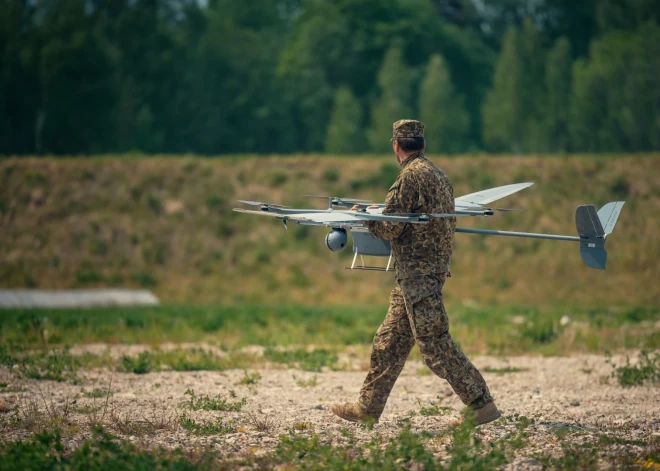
(513, 111)
(395, 83)
(442, 110)
(503, 107)
(616, 93)
(345, 130)
(532, 89)
(558, 86)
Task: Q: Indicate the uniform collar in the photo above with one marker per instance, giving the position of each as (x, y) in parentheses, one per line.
(412, 157)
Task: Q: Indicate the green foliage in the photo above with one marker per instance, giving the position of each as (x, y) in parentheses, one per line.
(40, 363)
(442, 110)
(142, 364)
(513, 110)
(395, 102)
(249, 379)
(647, 369)
(538, 330)
(207, 427)
(502, 109)
(558, 83)
(345, 134)
(435, 409)
(312, 360)
(614, 90)
(219, 402)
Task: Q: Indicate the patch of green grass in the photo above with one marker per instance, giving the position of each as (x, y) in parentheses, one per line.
(312, 360)
(142, 364)
(207, 427)
(192, 359)
(505, 370)
(307, 383)
(189, 359)
(484, 330)
(646, 370)
(435, 409)
(249, 379)
(40, 363)
(218, 402)
(96, 393)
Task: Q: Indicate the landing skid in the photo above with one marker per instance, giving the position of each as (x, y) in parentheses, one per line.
(365, 267)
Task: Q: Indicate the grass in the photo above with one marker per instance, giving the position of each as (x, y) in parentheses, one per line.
(434, 409)
(134, 219)
(189, 359)
(249, 379)
(207, 427)
(461, 446)
(647, 369)
(307, 383)
(497, 329)
(313, 360)
(218, 402)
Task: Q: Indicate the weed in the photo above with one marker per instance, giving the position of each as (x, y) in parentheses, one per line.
(573, 457)
(95, 393)
(40, 414)
(434, 409)
(207, 427)
(305, 360)
(192, 359)
(331, 175)
(647, 369)
(301, 426)
(56, 365)
(505, 370)
(218, 402)
(307, 383)
(143, 363)
(249, 379)
(261, 424)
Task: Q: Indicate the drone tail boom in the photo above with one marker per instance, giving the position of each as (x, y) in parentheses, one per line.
(593, 228)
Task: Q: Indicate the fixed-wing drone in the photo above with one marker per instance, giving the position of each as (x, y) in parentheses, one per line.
(593, 226)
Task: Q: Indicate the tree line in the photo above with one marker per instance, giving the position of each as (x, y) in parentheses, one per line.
(280, 76)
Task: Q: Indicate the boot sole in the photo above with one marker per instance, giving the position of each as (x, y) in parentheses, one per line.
(490, 418)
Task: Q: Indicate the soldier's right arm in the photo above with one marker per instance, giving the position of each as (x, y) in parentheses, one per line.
(402, 197)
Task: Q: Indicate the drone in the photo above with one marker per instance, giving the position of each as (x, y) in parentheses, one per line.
(592, 226)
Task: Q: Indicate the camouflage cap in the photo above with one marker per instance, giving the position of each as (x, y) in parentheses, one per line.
(407, 128)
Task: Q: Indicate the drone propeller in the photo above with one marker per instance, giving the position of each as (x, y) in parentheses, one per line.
(337, 198)
(260, 203)
(337, 201)
(506, 209)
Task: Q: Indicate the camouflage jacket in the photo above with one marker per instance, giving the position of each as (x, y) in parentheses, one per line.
(419, 250)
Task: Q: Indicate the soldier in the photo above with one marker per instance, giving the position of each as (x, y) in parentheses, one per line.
(422, 255)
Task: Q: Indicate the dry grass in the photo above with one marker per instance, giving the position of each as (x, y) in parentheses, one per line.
(167, 224)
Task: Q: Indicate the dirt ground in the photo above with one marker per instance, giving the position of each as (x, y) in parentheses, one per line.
(573, 395)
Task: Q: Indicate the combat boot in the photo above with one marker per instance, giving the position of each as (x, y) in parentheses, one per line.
(486, 414)
(352, 412)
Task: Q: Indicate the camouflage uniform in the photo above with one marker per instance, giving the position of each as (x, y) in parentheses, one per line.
(422, 255)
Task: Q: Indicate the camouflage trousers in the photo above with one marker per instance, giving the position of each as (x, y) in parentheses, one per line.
(417, 314)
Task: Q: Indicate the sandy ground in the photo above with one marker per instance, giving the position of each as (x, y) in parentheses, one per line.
(571, 394)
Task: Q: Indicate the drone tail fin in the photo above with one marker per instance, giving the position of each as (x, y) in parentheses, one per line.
(593, 228)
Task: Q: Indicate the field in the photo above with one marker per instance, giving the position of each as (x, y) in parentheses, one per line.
(261, 330)
(166, 224)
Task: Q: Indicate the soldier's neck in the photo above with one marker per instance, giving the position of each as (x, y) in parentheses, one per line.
(403, 156)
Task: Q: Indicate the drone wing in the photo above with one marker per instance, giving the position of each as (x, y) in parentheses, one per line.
(345, 218)
(480, 198)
